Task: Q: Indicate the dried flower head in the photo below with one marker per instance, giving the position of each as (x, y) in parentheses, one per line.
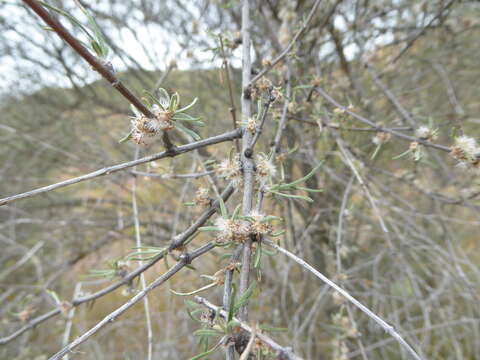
(341, 114)
(264, 84)
(251, 125)
(276, 93)
(207, 317)
(201, 197)
(381, 138)
(230, 230)
(265, 168)
(26, 314)
(259, 224)
(266, 62)
(292, 107)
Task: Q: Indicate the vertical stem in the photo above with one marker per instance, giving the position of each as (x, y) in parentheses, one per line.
(247, 153)
(232, 108)
(138, 242)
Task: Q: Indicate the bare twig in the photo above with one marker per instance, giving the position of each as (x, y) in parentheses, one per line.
(346, 154)
(283, 120)
(70, 315)
(232, 109)
(185, 259)
(380, 128)
(138, 243)
(111, 169)
(289, 46)
(388, 328)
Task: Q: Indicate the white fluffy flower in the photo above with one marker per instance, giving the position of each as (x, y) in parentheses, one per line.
(231, 169)
(466, 151)
(230, 229)
(426, 133)
(265, 168)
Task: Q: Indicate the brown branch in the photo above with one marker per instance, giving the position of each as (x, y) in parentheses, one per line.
(96, 64)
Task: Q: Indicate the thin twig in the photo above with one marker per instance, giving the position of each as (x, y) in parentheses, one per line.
(346, 154)
(70, 315)
(138, 243)
(289, 46)
(175, 243)
(388, 328)
(380, 128)
(185, 259)
(111, 169)
(232, 109)
(283, 119)
(174, 176)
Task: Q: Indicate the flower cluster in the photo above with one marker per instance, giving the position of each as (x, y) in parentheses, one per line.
(265, 168)
(231, 169)
(466, 151)
(259, 224)
(165, 116)
(237, 228)
(230, 230)
(251, 125)
(144, 129)
(262, 86)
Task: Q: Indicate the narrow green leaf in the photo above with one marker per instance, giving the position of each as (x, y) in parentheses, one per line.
(72, 19)
(187, 131)
(188, 106)
(309, 175)
(206, 332)
(126, 137)
(208, 228)
(300, 197)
